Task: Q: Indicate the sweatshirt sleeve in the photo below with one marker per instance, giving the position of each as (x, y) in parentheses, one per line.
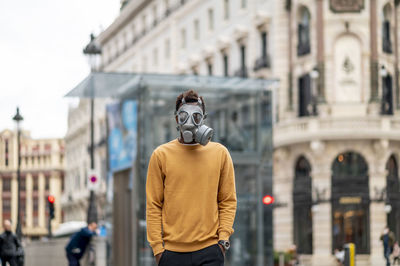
(226, 198)
(154, 204)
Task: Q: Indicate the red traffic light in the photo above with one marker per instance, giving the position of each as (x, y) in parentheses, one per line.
(51, 199)
(268, 199)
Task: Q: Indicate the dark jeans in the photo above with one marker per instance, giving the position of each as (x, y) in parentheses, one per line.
(72, 260)
(12, 261)
(209, 256)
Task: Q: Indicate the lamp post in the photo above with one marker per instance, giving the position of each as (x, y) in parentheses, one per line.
(18, 118)
(92, 51)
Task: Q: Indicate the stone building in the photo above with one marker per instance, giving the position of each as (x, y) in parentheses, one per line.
(337, 130)
(42, 174)
(75, 200)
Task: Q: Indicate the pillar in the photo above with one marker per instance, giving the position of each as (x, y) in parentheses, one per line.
(42, 202)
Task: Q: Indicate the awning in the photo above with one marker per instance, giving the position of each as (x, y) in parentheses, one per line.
(127, 85)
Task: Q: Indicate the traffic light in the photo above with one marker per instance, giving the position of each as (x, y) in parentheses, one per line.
(50, 201)
(268, 200)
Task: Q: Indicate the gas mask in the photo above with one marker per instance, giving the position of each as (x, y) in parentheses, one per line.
(191, 123)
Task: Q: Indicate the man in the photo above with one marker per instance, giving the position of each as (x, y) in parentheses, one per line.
(10, 247)
(79, 242)
(190, 190)
(388, 238)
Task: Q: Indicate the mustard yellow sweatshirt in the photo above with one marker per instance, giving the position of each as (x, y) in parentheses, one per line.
(191, 196)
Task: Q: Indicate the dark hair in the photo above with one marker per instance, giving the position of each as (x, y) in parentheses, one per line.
(190, 96)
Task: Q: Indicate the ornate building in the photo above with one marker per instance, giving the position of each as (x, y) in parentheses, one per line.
(42, 174)
(337, 128)
(75, 200)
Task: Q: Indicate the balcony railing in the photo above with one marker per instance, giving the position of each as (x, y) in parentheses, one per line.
(262, 62)
(314, 128)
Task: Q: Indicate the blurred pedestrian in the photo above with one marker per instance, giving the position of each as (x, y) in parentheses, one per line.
(190, 190)
(388, 240)
(78, 243)
(396, 252)
(339, 255)
(10, 246)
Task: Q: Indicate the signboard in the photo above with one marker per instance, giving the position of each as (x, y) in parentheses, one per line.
(93, 180)
(347, 5)
(122, 137)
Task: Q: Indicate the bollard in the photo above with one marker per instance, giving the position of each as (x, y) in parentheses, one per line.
(281, 259)
(350, 254)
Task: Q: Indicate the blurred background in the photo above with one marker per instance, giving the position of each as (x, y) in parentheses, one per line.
(304, 94)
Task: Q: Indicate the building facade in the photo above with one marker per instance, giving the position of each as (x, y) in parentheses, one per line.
(336, 136)
(42, 175)
(75, 200)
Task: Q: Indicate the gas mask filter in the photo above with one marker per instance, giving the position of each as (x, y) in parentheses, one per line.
(191, 123)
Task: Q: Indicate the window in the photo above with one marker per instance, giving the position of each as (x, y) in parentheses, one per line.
(167, 10)
(6, 185)
(387, 95)
(226, 64)
(183, 38)
(303, 46)
(243, 61)
(196, 30)
(155, 18)
(226, 9)
(47, 183)
(35, 183)
(6, 205)
(386, 29)
(209, 68)
(6, 152)
(167, 49)
(302, 202)
(210, 19)
(242, 71)
(350, 202)
(263, 61)
(305, 106)
(23, 183)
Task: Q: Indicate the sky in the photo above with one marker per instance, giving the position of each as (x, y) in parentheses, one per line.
(41, 58)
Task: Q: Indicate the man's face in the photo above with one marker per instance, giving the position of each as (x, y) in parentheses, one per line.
(7, 225)
(92, 226)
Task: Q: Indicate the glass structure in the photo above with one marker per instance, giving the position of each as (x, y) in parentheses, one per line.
(241, 113)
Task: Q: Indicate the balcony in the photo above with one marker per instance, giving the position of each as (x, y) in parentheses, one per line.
(262, 62)
(314, 128)
(303, 49)
(241, 72)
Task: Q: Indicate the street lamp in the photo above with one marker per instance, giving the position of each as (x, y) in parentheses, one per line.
(18, 118)
(93, 52)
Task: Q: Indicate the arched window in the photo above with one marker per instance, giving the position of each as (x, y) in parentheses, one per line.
(386, 29)
(350, 202)
(303, 24)
(393, 195)
(302, 202)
